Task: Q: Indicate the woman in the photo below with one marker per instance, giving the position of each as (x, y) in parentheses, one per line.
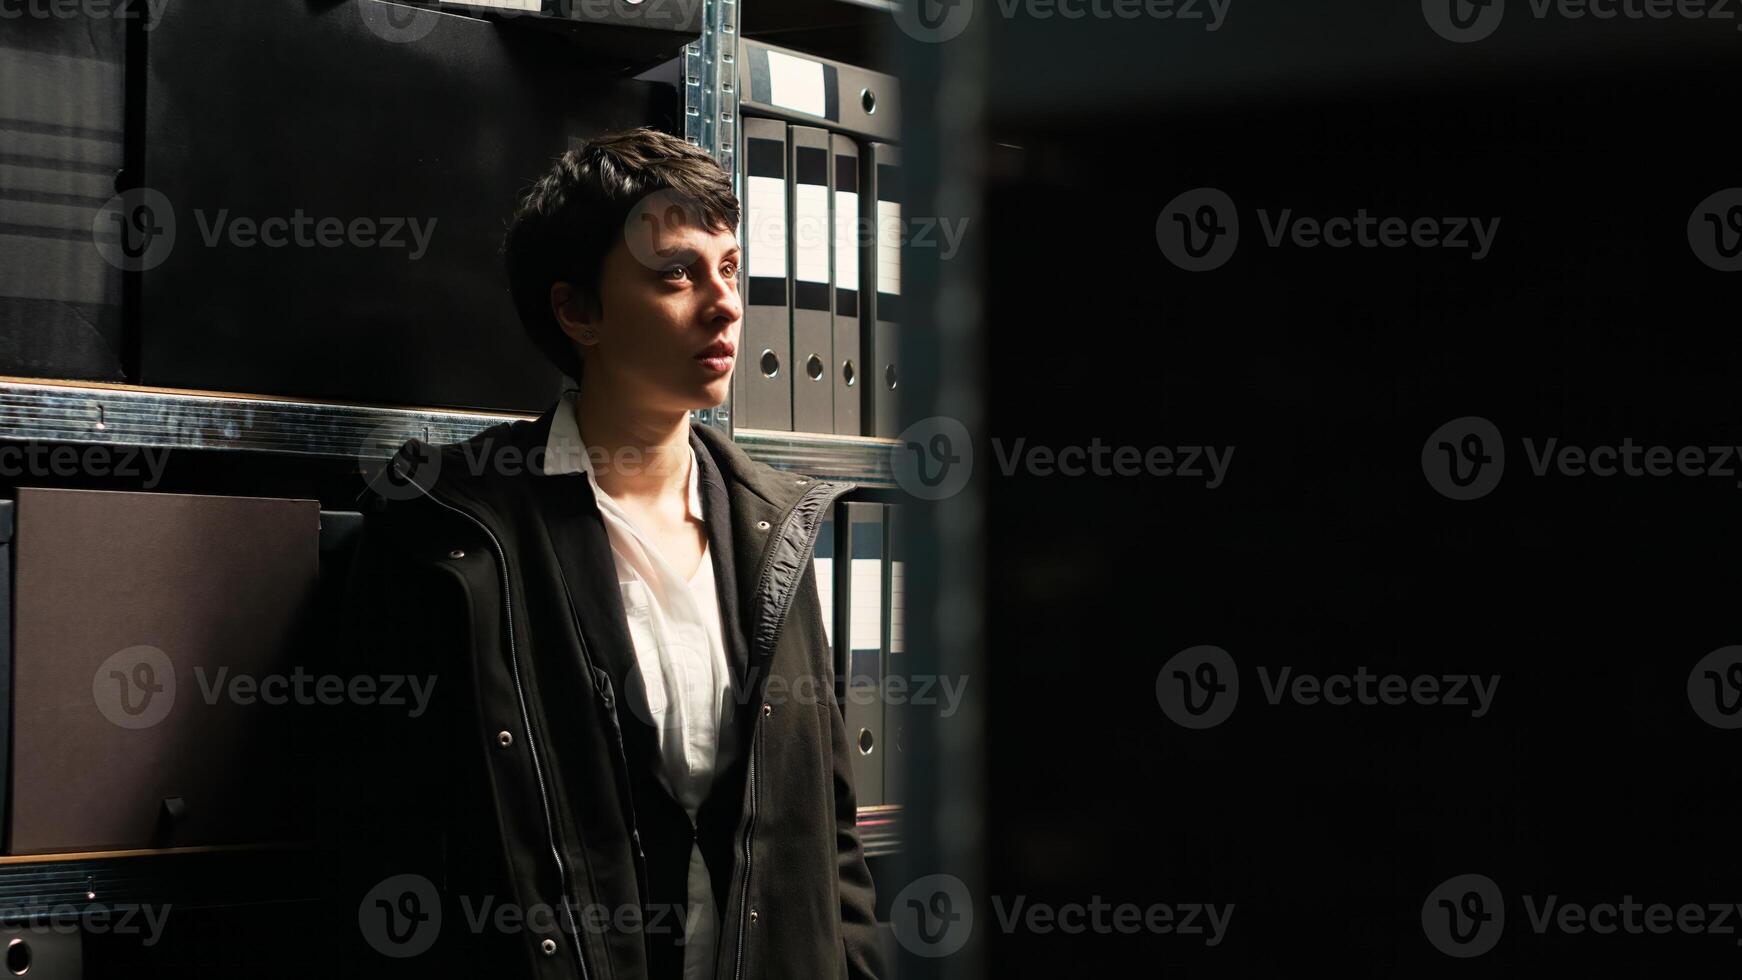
(640, 749)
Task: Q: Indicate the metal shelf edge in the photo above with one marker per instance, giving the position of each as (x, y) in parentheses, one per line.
(123, 415)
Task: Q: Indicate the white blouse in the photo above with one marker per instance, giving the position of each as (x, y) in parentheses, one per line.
(687, 688)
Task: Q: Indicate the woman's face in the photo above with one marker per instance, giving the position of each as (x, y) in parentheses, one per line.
(667, 335)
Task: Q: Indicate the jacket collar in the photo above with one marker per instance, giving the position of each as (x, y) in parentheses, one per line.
(743, 502)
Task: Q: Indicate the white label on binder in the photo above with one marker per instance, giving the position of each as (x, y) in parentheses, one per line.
(847, 239)
(811, 230)
(826, 592)
(766, 235)
(896, 624)
(530, 5)
(867, 621)
(796, 84)
(889, 247)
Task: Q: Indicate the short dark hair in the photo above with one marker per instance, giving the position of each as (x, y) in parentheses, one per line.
(571, 218)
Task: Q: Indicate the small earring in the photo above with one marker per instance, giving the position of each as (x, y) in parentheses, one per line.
(588, 336)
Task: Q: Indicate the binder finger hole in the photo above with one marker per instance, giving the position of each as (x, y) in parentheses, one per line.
(18, 957)
(889, 376)
(849, 374)
(770, 364)
(866, 741)
(868, 99)
(814, 368)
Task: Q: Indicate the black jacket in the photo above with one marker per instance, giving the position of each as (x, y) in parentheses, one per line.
(532, 780)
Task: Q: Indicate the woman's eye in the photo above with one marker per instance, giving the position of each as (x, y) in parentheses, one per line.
(729, 271)
(676, 273)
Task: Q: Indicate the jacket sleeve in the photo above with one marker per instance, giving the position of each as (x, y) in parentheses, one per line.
(862, 952)
(398, 626)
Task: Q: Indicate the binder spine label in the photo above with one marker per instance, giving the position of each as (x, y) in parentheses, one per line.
(888, 243)
(795, 84)
(846, 236)
(765, 215)
(811, 230)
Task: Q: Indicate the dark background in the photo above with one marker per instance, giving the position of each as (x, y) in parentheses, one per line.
(1326, 549)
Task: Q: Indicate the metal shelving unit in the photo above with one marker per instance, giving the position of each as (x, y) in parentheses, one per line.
(47, 410)
(131, 415)
(710, 79)
(124, 415)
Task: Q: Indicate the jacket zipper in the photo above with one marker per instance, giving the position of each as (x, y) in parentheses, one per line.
(622, 760)
(820, 490)
(526, 720)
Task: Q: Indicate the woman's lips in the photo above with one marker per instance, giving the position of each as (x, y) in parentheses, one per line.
(717, 358)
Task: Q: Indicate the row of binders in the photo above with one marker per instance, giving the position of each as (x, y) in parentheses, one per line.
(822, 246)
(860, 578)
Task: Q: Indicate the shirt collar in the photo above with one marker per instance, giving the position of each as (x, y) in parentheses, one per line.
(564, 453)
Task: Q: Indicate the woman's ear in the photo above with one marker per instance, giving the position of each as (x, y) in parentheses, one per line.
(570, 308)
